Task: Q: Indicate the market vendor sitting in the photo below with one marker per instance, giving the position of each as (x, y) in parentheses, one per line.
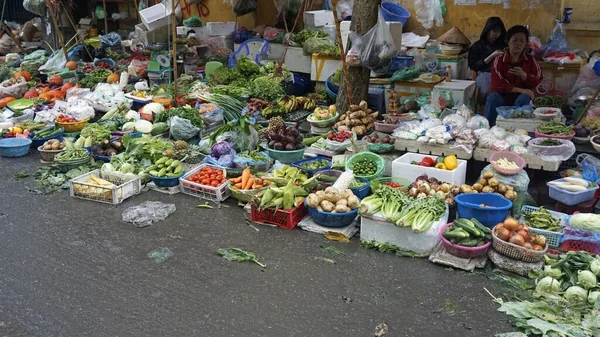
(514, 75)
(484, 51)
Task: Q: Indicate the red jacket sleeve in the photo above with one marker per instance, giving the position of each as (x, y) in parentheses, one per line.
(534, 76)
(499, 82)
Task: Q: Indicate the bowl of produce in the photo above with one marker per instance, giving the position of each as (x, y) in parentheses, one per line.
(106, 149)
(165, 172)
(380, 143)
(70, 124)
(516, 241)
(595, 143)
(313, 165)
(19, 105)
(323, 117)
(582, 134)
(14, 147)
(339, 141)
(487, 208)
(39, 137)
(329, 208)
(366, 165)
(50, 149)
(466, 238)
(546, 114)
(506, 162)
(105, 63)
(554, 129)
(71, 158)
(247, 186)
(283, 143)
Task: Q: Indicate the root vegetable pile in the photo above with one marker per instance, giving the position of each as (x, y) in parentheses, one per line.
(332, 201)
(359, 119)
(488, 184)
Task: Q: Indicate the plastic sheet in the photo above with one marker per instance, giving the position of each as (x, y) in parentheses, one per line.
(148, 213)
(56, 62)
(587, 81)
(572, 233)
(455, 121)
(181, 128)
(551, 153)
(110, 40)
(378, 48)
(478, 122)
(515, 112)
(249, 161)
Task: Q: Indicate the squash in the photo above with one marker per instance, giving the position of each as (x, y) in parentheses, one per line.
(5, 101)
(55, 80)
(112, 78)
(32, 93)
(55, 93)
(25, 74)
(66, 87)
(72, 65)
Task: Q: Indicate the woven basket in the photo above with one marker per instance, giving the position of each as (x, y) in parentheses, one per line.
(517, 252)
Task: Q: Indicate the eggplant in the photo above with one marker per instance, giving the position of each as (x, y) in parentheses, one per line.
(111, 152)
(97, 149)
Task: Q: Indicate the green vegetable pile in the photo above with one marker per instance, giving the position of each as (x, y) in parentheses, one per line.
(255, 155)
(385, 199)
(422, 213)
(267, 88)
(549, 142)
(49, 179)
(468, 233)
(542, 219)
(364, 167)
(188, 113)
(94, 77)
(306, 34)
(165, 168)
(71, 153)
(315, 164)
(96, 131)
(555, 128)
(47, 132)
(548, 102)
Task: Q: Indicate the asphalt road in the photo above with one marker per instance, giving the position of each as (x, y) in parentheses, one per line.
(70, 267)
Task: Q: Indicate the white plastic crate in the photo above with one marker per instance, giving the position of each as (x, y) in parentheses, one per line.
(155, 16)
(553, 238)
(150, 37)
(570, 198)
(218, 194)
(402, 168)
(123, 189)
(374, 228)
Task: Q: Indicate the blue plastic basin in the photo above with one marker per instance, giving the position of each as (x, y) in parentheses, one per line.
(14, 147)
(394, 13)
(495, 210)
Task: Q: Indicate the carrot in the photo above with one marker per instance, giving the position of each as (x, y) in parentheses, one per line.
(236, 180)
(249, 183)
(258, 187)
(258, 181)
(245, 176)
(238, 186)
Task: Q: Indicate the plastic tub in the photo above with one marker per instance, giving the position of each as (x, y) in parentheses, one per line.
(394, 13)
(546, 114)
(72, 126)
(538, 134)
(322, 123)
(380, 162)
(165, 182)
(41, 141)
(311, 172)
(570, 198)
(462, 251)
(469, 206)
(362, 191)
(385, 127)
(333, 220)
(510, 156)
(14, 147)
(286, 157)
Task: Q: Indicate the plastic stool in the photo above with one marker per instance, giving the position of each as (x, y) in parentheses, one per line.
(262, 51)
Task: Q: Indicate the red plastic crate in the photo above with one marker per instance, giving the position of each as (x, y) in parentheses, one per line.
(575, 246)
(284, 219)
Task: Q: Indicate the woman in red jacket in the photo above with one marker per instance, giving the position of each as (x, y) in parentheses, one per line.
(514, 75)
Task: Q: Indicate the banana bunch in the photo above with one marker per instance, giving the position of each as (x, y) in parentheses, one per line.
(288, 103)
(274, 110)
(309, 104)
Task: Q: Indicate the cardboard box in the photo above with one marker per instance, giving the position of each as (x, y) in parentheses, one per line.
(462, 91)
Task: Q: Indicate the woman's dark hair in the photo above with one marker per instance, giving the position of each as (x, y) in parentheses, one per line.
(516, 30)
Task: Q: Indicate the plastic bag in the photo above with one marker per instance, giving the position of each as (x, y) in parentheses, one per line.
(498, 132)
(344, 9)
(222, 155)
(578, 234)
(80, 110)
(28, 115)
(148, 213)
(478, 122)
(455, 121)
(56, 62)
(519, 181)
(274, 35)
(241, 140)
(406, 74)
(243, 7)
(429, 12)
(557, 43)
(320, 45)
(551, 153)
(353, 55)
(378, 48)
(16, 90)
(110, 40)
(37, 7)
(244, 161)
(418, 58)
(523, 198)
(525, 111)
(181, 128)
(587, 81)
(430, 62)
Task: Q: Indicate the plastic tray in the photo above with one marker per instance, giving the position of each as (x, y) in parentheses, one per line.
(284, 219)
(218, 194)
(538, 135)
(517, 252)
(570, 198)
(468, 206)
(462, 251)
(312, 172)
(385, 128)
(333, 220)
(553, 238)
(123, 189)
(510, 156)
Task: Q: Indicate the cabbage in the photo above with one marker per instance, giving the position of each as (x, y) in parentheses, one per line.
(586, 278)
(554, 272)
(107, 168)
(576, 295)
(153, 108)
(595, 266)
(547, 286)
(143, 126)
(593, 297)
(220, 149)
(127, 168)
(587, 221)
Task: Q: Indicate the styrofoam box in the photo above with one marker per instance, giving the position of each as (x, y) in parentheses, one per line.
(318, 18)
(321, 67)
(462, 91)
(220, 28)
(150, 37)
(402, 168)
(375, 228)
(156, 16)
(201, 33)
(395, 30)
(295, 60)
(459, 67)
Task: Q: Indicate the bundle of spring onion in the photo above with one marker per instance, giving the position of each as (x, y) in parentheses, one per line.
(422, 213)
(386, 199)
(232, 107)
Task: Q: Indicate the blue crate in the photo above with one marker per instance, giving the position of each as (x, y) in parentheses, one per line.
(312, 172)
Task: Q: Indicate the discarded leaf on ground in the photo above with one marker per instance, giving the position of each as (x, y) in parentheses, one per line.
(335, 236)
(236, 254)
(21, 175)
(324, 259)
(381, 330)
(331, 249)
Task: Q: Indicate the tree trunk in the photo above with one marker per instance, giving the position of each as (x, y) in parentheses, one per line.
(364, 17)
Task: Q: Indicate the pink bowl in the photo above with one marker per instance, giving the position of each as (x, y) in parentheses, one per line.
(462, 251)
(511, 156)
(538, 134)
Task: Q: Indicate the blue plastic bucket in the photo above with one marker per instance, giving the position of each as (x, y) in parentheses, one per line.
(394, 13)
(489, 208)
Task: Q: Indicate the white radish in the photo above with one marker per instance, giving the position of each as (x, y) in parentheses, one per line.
(569, 187)
(577, 181)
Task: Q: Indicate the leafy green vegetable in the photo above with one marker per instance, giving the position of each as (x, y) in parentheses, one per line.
(306, 34)
(239, 255)
(267, 88)
(21, 175)
(96, 131)
(188, 113)
(49, 179)
(389, 248)
(587, 221)
(246, 67)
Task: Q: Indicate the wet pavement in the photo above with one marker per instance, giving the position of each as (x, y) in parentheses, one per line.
(70, 267)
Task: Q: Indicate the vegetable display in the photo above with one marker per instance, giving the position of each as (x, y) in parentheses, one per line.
(320, 113)
(359, 119)
(548, 101)
(379, 140)
(488, 184)
(47, 132)
(340, 136)
(555, 128)
(283, 138)
(364, 167)
(572, 184)
(333, 201)
(315, 164)
(107, 148)
(165, 168)
(71, 153)
(188, 113)
(467, 233)
(208, 176)
(421, 214)
(510, 231)
(248, 181)
(549, 142)
(288, 187)
(425, 186)
(506, 164)
(53, 145)
(542, 219)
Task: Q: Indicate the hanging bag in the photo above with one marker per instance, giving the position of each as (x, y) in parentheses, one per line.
(378, 46)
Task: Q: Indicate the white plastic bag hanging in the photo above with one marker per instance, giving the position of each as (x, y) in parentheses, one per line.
(353, 55)
(429, 12)
(378, 48)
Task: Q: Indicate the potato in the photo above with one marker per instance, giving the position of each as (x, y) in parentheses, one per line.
(343, 128)
(483, 181)
(488, 175)
(363, 105)
(358, 114)
(326, 206)
(464, 188)
(332, 197)
(354, 107)
(55, 146)
(348, 193)
(312, 200)
(342, 202)
(342, 209)
(493, 182)
(477, 186)
(47, 147)
(487, 189)
(502, 188)
(353, 202)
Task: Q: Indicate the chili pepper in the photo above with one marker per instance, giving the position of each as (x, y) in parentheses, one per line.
(427, 162)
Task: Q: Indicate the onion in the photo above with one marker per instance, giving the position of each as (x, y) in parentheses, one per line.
(527, 245)
(517, 240)
(540, 240)
(503, 234)
(524, 234)
(511, 224)
(538, 247)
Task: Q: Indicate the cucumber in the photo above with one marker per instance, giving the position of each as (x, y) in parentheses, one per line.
(172, 174)
(468, 242)
(174, 163)
(162, 172)
(154, 173)
(161, 165)
(168, 162)
(161, 160)
(480, 226)
(468, 226)
(178, 170)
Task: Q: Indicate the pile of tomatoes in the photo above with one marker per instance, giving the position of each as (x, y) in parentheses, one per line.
(208, 176)
(65, 119)
(392, 184)
(339, 136)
